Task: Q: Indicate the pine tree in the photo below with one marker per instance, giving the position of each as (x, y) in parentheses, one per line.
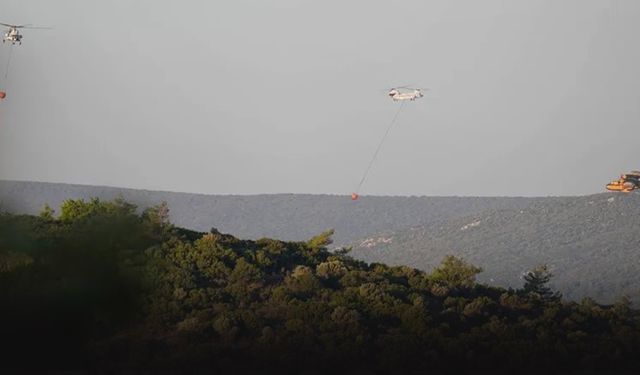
(456, 273)
(47, 212)
(536, 282)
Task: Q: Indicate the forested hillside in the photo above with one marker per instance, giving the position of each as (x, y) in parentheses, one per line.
(101, 285)
(293, 217)
(581, 238)
(588, 241)
(592, 244)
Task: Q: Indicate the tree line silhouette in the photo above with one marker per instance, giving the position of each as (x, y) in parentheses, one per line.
(104, 285)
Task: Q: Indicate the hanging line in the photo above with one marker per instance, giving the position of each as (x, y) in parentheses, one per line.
(6, 72)
(375, 155)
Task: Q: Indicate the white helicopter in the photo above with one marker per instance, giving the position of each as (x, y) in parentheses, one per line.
(13, 34)
(405, 93)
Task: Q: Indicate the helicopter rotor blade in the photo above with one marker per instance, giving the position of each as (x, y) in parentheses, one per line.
(414, 88)
(27, 26)
(34, 27)
(406, 87)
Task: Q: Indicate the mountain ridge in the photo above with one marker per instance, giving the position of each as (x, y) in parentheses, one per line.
(580, 237)
(283, 216)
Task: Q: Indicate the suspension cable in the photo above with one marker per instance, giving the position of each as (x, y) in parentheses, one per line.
(375, 155)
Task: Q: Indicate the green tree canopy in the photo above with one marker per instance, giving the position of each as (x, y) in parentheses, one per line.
(536, 282)
(455, 273)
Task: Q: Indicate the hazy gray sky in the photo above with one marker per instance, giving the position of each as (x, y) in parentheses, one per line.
(527, 97)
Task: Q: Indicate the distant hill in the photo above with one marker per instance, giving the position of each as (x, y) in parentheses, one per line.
(585, 239)
(591, 242)
(291, 217)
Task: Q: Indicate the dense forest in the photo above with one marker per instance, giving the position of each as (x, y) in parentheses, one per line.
(101, 285)
(586, 240)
